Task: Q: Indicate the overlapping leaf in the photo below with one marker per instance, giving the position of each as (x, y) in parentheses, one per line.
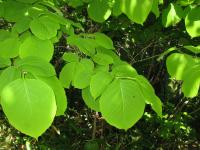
(186, 68)
(29, 105)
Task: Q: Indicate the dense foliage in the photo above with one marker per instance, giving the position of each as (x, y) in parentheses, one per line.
(48, 46)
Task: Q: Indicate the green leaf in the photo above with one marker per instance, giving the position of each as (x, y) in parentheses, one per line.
(15, 11)
(86, 45)
(103, 40)
(186, 68)
(89, 100)
(4, 62)
(33, 65)
(77, 73)
(172, 15)
(36, 11)
(191, 81)
(44, 27)
(185, 2)
(22, 25)
(102, 59)
(149, 94)
(29, 105)
(194, 49)
(124, 71)
(75, 3)
(9, 44)
(33, 46)
(155, 8)
(99, 82)
(71, 57)
(99, 10)
(177, 64)
(8, 75)
(122, 103)
(83, 74)
(116, 8)
(67, 74)
(116, 58)
(1, 10)
(137, 10)
(192, 22)
(61, 99)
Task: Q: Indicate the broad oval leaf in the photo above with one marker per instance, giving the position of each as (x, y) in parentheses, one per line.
(99, 10)
(83, 74)
(192, 22)
(124, 70)
(191, 81)
(103, 40)
(44, 27)
(67, 74)
(14, 11)
(137, 10)
(177, 64)
(29, 105)
(9, 44)
(102, 59)
(33, 46)
(122, 103)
